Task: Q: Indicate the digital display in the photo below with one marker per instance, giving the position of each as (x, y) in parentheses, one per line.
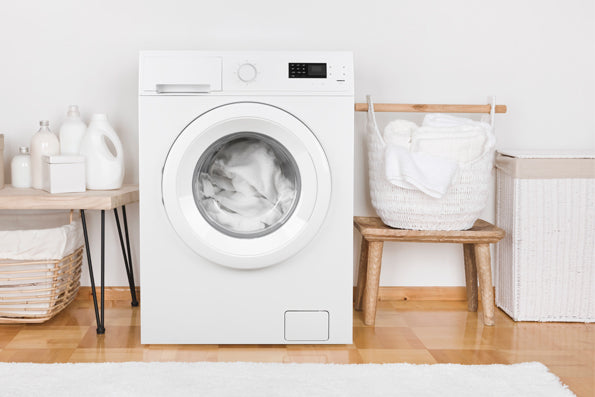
(307, 70)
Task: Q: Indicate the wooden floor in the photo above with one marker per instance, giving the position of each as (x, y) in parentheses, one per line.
(405, 331)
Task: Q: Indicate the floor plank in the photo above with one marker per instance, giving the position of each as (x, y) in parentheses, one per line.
(421, 332)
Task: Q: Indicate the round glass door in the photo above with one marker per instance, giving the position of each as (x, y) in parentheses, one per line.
(246, 185)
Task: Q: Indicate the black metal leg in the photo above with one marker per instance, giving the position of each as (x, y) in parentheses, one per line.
(126, 253)
(102, 331)
(98, 319)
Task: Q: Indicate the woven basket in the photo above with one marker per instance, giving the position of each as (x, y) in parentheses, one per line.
(403, 208)
(35, 291)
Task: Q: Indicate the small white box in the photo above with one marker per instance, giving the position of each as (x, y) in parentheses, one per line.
(63, 174)
(545, 266)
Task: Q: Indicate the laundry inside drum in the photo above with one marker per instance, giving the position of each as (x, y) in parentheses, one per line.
(246, 185)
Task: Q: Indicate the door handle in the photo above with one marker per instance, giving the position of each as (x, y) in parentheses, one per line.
(183, 88)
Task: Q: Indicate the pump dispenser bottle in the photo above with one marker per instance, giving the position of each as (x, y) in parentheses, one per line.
(72, 131)
(44, 143)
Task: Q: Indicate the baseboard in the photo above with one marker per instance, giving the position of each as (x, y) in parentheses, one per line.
(384, 293)
(421, 293)
(110, 293)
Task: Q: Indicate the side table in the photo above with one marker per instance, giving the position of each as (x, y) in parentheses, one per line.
(104, 200)
(476, 248)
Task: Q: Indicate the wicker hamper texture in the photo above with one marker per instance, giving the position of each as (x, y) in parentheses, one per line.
(403, 208)
(545, 266)
(33, 290)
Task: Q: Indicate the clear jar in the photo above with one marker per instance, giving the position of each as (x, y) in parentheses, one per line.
(20, 168)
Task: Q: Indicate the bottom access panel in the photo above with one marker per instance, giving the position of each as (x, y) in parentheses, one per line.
(306, 325)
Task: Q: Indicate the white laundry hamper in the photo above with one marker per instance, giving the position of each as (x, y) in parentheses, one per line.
(404, 208)
(40, 265)
(545, 266)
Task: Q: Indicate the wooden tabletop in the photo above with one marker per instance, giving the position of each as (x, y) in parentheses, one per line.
(27, 199)
(373, 229)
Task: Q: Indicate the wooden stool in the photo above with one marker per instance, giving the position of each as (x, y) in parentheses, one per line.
(476, 248)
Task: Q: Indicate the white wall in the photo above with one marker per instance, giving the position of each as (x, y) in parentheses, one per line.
(538, 57)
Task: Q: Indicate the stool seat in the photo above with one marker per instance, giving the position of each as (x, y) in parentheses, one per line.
(476, 252)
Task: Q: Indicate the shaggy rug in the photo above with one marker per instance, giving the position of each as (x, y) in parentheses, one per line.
(256, 379)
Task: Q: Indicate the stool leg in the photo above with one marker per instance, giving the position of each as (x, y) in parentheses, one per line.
(361, 274)
(484, 270)
(372, 281)
(470, 277)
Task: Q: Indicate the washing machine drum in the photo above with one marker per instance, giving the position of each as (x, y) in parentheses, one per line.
(246, 185)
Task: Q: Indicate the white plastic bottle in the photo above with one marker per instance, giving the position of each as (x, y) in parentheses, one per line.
(72, 131)
(104, 170)
(20, 168)
(44, 143)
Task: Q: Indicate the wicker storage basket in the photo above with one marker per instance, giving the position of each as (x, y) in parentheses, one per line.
(545, 266)
(33, 290)
(403, 208)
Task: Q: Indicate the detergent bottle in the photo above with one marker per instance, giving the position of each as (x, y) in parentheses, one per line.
(104, 169)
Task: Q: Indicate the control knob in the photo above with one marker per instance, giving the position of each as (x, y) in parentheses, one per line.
(247, 72)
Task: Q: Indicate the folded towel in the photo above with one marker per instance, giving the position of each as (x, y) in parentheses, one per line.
(447, 120)
(418, 171)
(398, 132)
(461, 144)
(427, 157)
(457, 138)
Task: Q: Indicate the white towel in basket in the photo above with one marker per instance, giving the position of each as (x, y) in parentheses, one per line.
(458, 138)
(418, 171)
(398, 132)
(428, 173)
(460, 144)
(447, 120)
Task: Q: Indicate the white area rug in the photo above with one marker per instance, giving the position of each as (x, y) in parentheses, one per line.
(255, 379)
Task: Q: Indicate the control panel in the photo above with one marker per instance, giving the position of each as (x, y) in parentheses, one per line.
(307, 70)
(258, 72)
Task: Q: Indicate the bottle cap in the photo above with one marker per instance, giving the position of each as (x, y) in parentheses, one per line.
(44, 123)
(23, 150)
(73, 110)
(99, 116)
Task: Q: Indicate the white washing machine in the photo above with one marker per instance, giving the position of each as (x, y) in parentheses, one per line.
(246, 197)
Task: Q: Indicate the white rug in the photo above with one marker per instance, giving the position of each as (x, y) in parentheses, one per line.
(255, 379)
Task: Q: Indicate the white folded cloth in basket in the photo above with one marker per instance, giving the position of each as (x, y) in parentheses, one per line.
(457, 138)
(460, 144)
(427, 157)
(399, 132)
(38, 237)
(418, 171)
(448, 120)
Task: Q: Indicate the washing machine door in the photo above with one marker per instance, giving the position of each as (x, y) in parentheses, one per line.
(246, 185)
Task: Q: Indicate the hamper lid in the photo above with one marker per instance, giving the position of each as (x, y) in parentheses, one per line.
(551, 164)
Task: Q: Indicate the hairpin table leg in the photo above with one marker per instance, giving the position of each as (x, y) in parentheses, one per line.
(126, 253)
(99, 319)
